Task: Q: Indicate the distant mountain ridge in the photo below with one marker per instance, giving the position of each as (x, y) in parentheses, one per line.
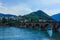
(6, 15)
(56, 17)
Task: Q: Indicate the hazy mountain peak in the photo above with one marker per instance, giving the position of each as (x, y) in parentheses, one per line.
(56, 17)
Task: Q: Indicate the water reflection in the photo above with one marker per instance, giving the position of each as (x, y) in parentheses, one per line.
(49, 32)
(56, 36)
(13, 33)
(59, 29)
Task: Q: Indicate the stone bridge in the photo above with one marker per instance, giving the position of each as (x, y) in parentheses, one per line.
(43, 25)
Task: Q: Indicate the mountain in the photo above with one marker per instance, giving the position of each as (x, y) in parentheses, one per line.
(38, 15)
(56, 17)
(33, 16)
(7, 15)
(1, 14)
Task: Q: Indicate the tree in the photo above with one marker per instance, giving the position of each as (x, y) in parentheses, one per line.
(4, 20)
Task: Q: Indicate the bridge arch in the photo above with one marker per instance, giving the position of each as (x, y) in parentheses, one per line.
(29, 25)
(36, 26)
(48, 26)
(56, 27)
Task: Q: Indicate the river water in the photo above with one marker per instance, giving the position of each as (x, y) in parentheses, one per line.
(14, 33)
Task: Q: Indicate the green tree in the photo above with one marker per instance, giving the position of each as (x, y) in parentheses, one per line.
(4, 20)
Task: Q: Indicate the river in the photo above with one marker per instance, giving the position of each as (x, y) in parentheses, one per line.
(14, 33)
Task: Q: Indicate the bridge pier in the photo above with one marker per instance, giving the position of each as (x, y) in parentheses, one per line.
(43, 27)
(55, 27)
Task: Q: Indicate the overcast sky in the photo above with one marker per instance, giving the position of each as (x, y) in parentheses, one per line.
(22, 7)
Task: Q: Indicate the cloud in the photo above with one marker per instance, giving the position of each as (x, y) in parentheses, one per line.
(51, 7)
(0, 4)
(50, 2)
(52, 12)
(26, 7)
(20, 9)
(41, 3)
